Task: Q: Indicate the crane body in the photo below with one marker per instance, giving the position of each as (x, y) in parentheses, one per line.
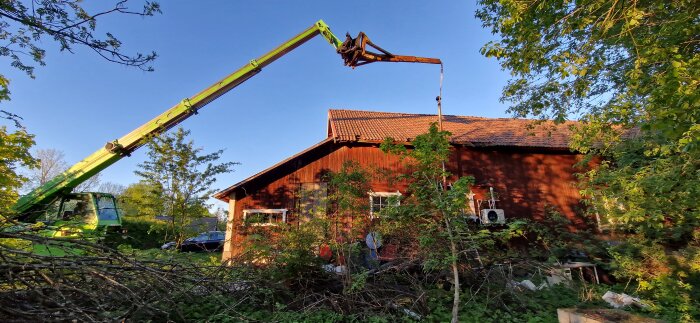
(57, 191)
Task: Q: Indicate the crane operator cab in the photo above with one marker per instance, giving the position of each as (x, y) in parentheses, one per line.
(82, 215)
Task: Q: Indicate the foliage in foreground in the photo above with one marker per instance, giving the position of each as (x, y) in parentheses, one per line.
(100, 283)
(435, 213)
(427, 262)
(629, 71)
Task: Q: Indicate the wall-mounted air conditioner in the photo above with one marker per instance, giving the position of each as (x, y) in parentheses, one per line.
(493, 216)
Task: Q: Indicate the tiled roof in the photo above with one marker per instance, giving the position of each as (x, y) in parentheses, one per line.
(370, 126)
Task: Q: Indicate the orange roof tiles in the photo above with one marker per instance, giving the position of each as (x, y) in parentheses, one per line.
(370, 126)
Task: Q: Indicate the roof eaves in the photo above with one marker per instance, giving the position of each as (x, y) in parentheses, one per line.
(331, 126)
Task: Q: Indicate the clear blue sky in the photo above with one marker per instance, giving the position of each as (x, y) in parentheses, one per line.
(79, 102)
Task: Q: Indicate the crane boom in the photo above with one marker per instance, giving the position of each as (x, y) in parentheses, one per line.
(352, 51)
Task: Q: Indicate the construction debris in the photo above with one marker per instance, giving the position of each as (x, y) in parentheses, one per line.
(620, 300)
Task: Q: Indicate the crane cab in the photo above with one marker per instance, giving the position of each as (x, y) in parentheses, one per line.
(80, 214)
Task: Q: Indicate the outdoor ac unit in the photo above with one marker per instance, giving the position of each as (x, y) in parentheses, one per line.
(493, 216)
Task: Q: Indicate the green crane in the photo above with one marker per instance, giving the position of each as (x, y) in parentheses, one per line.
(54, 201)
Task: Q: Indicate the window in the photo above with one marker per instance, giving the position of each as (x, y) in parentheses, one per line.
(106, 209)
(264, 217)
(380, 200)
(77, 208)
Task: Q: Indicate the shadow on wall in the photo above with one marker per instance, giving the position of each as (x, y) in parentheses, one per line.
(525, 183)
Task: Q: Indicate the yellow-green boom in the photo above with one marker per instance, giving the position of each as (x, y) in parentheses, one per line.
(124, 146)
(352, 50)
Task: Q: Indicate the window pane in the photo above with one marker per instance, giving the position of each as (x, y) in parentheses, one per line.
(382, 200)
(255, 218)
(77, 209)
(51, 211)
(260, 218)
(106, 208)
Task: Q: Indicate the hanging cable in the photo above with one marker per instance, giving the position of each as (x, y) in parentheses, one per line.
(439, 106)
(439, 99)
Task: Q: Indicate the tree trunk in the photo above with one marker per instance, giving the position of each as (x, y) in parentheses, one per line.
(455, 273)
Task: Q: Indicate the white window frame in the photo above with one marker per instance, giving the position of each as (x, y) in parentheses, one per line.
(380, 194)
(265, 211)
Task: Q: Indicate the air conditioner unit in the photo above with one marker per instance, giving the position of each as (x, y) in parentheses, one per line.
(493, 216)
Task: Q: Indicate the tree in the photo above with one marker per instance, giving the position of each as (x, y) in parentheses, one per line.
(24, 26)
(181, 177)
(90, 185)
(51, 163)
(629, 71)
(112, 188)
(221, 216)
(434, 213)
(14, 153)
(141, 199)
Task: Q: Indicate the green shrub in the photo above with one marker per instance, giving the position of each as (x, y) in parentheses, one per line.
(140, 233)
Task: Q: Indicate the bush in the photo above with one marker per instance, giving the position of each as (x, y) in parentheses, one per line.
(140, 233)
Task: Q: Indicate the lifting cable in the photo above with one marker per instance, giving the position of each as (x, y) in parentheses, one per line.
(439, 99)
(439, 106)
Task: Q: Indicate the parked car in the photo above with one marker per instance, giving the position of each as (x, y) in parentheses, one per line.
(205, 241)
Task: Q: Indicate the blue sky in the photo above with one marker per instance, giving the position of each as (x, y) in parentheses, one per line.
(79, 102)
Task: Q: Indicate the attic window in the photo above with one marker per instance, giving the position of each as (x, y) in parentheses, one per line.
(380, 200)
(264, 217)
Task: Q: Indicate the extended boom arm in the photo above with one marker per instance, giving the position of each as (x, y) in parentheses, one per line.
(353, 53)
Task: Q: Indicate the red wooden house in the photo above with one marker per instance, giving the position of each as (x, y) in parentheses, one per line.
(529, 168)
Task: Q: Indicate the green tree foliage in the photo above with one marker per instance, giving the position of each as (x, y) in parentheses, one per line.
(140, 233)
(436, 214)
(14, 153)
(180, 176)
(348, 218)
(24, 25)
(139, 205)
(629, 70)
(142, 200)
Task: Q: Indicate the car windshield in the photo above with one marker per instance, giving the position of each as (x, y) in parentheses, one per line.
(201, 237)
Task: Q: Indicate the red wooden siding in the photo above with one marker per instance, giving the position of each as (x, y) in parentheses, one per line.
(526, 181)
